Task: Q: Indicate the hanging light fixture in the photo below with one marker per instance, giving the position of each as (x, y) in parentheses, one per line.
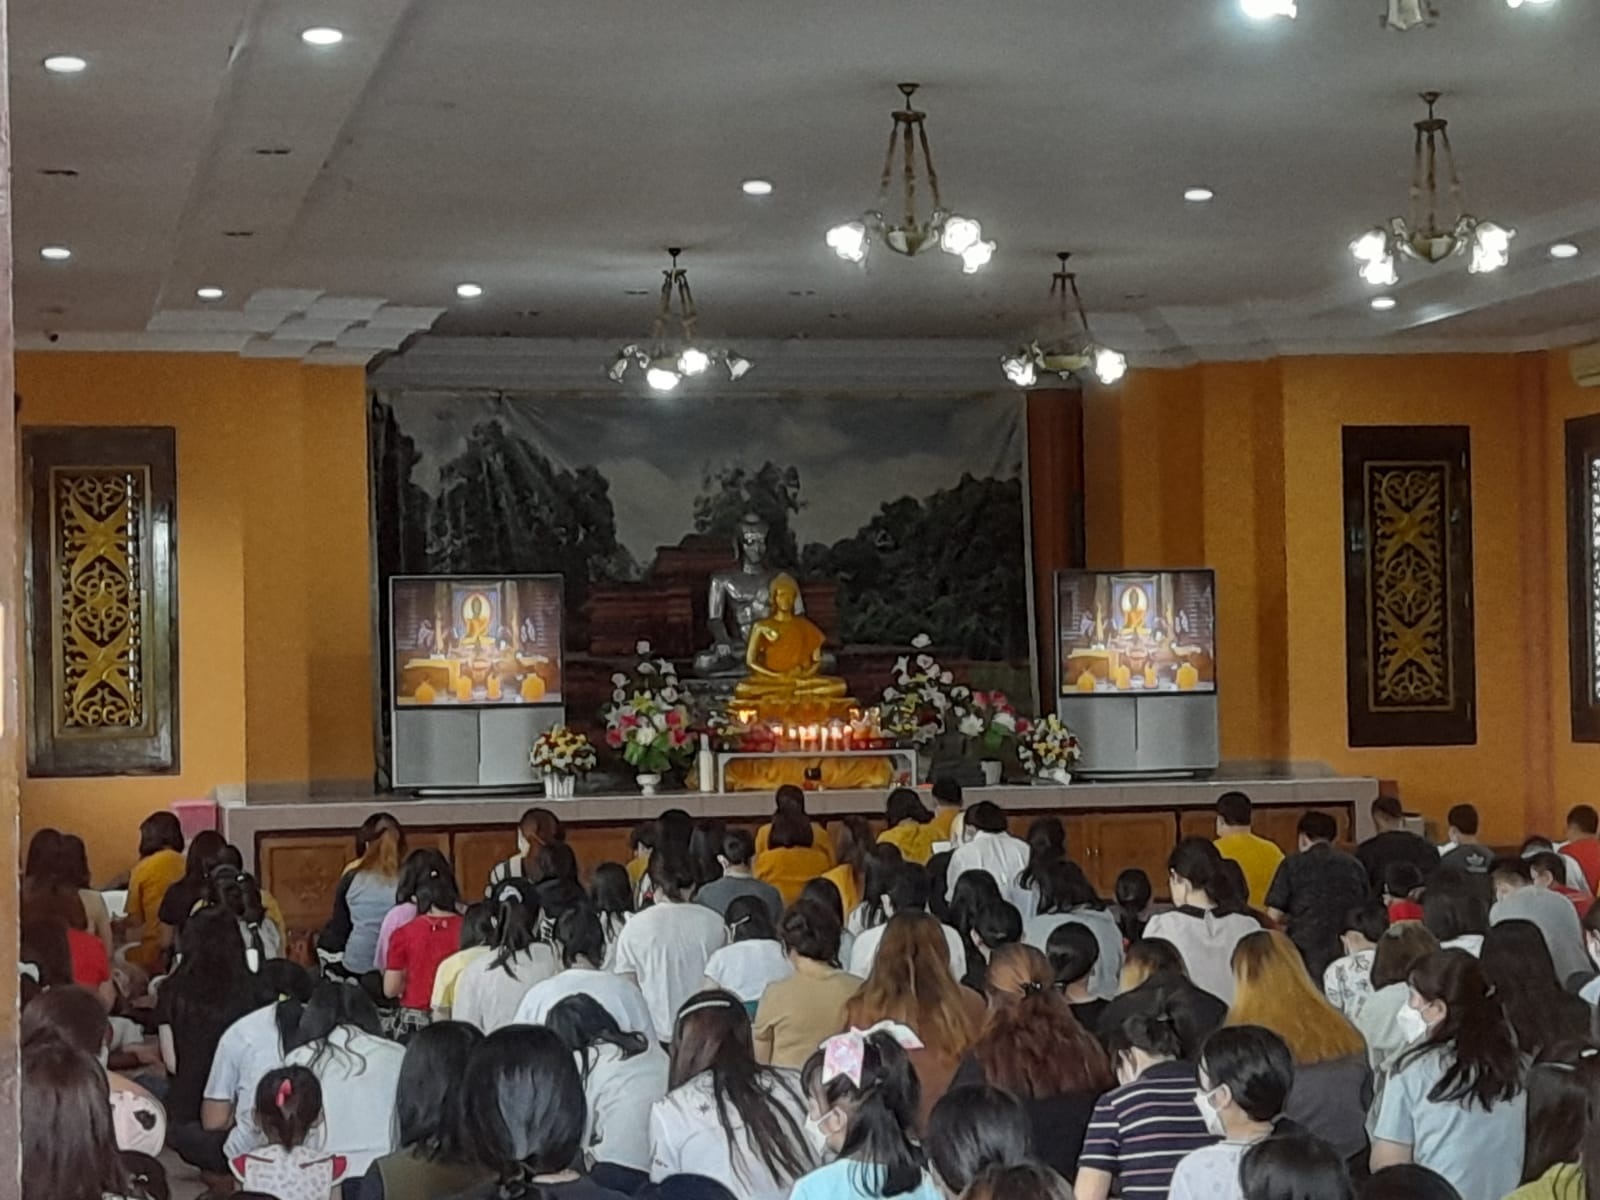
(1421, 237)
(957, 235)
(1069, 350)
(667, 361)
(1405, 15)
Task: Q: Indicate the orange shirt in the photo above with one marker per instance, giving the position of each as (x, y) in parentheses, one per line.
(913, 839)
(943, 818)
(819, 839)
(147, 884)
(843, 878)
(791, 868)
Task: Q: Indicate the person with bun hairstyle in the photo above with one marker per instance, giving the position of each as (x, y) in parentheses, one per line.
(864, 1099)
(491, 987)
(1034, 1047)
(793, 1015)
(1207, 920)
(1456, 1101)
(1145, 1127)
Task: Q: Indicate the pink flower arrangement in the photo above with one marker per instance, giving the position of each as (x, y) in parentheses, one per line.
(647, 719)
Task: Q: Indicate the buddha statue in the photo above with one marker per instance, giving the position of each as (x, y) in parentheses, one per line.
(475, 623)
(784, 659)
(738, 598)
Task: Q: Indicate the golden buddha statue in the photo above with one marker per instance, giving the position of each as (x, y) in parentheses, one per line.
(784, 657)
(475, 623)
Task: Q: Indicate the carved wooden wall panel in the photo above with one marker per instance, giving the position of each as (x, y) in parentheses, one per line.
(1410, 670)
(1583, 575)
(101, 576)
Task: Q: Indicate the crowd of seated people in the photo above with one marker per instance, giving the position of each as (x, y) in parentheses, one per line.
(939, 1010)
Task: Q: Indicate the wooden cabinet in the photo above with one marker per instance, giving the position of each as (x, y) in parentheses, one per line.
(477, 852)
(1281, 825)
(1120, 840)
(1198, 823)
(301, 871)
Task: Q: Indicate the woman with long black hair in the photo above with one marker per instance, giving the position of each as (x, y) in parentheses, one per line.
(1562, 1159)
(757, 1142)
(69, 1151)
(433, 1158)
(1456, 1101)
(624, 1074)
(1067, 897)
(525, 1115)
(492, 986)
(1208, 918)
(1518, 965)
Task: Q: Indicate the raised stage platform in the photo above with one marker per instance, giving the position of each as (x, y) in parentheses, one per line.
(300, 842)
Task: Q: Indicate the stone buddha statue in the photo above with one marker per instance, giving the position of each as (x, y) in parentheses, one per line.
(738, 598)
(784, 659)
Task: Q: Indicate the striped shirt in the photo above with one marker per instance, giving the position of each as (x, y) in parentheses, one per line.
(1142, 1130)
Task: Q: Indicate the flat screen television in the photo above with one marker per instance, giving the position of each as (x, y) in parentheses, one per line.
(1134, 632)
(475, 641)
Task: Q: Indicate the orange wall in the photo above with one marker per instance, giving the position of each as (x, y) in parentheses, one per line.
(273, 568)
(1239, 466)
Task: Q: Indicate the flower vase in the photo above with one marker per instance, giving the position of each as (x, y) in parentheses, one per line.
(648, 783)
(559, 787)
(991, 771)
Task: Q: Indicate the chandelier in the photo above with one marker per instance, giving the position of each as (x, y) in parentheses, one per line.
(1069, 350)
(668, 360)
(957, 235)
(1421, 237)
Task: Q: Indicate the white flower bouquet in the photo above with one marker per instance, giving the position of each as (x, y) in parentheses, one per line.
(1049, 748)
(563, 751)
(648, 719)
(924, 698)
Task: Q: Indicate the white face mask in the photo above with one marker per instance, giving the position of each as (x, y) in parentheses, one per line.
(523, 844)
(1209, 1113)
(1412, 1025)
(817, 1139)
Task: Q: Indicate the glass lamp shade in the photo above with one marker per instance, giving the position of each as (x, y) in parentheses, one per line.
(1431, 246)
(1491, 247)
(692, 362)
(959, 234)
(1019, 369)
(1371, 245)
(849, 241)
(738, 366)
(1380, 272)
(1409, 14)
(662, 375)
(976, 256)
(909, 240)
(1266, 10)
(619, 369)
(1109, 365)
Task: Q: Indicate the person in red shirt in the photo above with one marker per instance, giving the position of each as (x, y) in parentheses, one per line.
(420, 945)
(91, 966)
(1550, 871)
(1402, 882)
(1583, 823)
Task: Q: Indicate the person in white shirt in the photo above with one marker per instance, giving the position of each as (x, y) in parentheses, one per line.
(988, 847)
(337, 1040)
(491, 987)
(753, 957)
(666, 947)
(248, 1049)
(583, 948)
(727, 1117)
(908, 892)
(1067, 897)
(1347, 983)
(1245, 1073)
(1207, 920)
(624, 1075)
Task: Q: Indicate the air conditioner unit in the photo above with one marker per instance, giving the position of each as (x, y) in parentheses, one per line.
(1585, 363)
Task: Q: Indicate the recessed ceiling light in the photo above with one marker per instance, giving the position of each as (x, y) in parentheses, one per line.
(1384, 303)
(469, 291)
(757, 187)
(321, 35)
(1565, 250)
(65, 64)
(1199, 195)
(55, 253)
(209, 293)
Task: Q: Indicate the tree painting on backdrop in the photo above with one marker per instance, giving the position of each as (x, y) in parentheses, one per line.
(899, 517)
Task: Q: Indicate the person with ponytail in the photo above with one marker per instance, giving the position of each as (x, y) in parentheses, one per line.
(1207, 920)
(365, 894)
(1456, 1101)
(291, 1165)
(582, 943)
(756, 1143)
(1144, 1128)
(864, 1099)
(477, 938)
(492, 987)
(624, 1074)
(420, 945)
(525, 1115)
(1245, 1073)
(1034, 1047)
(238, 893)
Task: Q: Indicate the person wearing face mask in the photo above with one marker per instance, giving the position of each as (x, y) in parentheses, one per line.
(1144, 1128)
(1456, 1102)
(1244, 1079)
(538, 827)
(1207, 920)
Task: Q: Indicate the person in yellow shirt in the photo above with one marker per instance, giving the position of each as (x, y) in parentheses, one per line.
(160, 865)
(790, 796)
(1256, 856)
(908, 827)
(947, 794)
(792, 859)
(641, 842)
(855, 845)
